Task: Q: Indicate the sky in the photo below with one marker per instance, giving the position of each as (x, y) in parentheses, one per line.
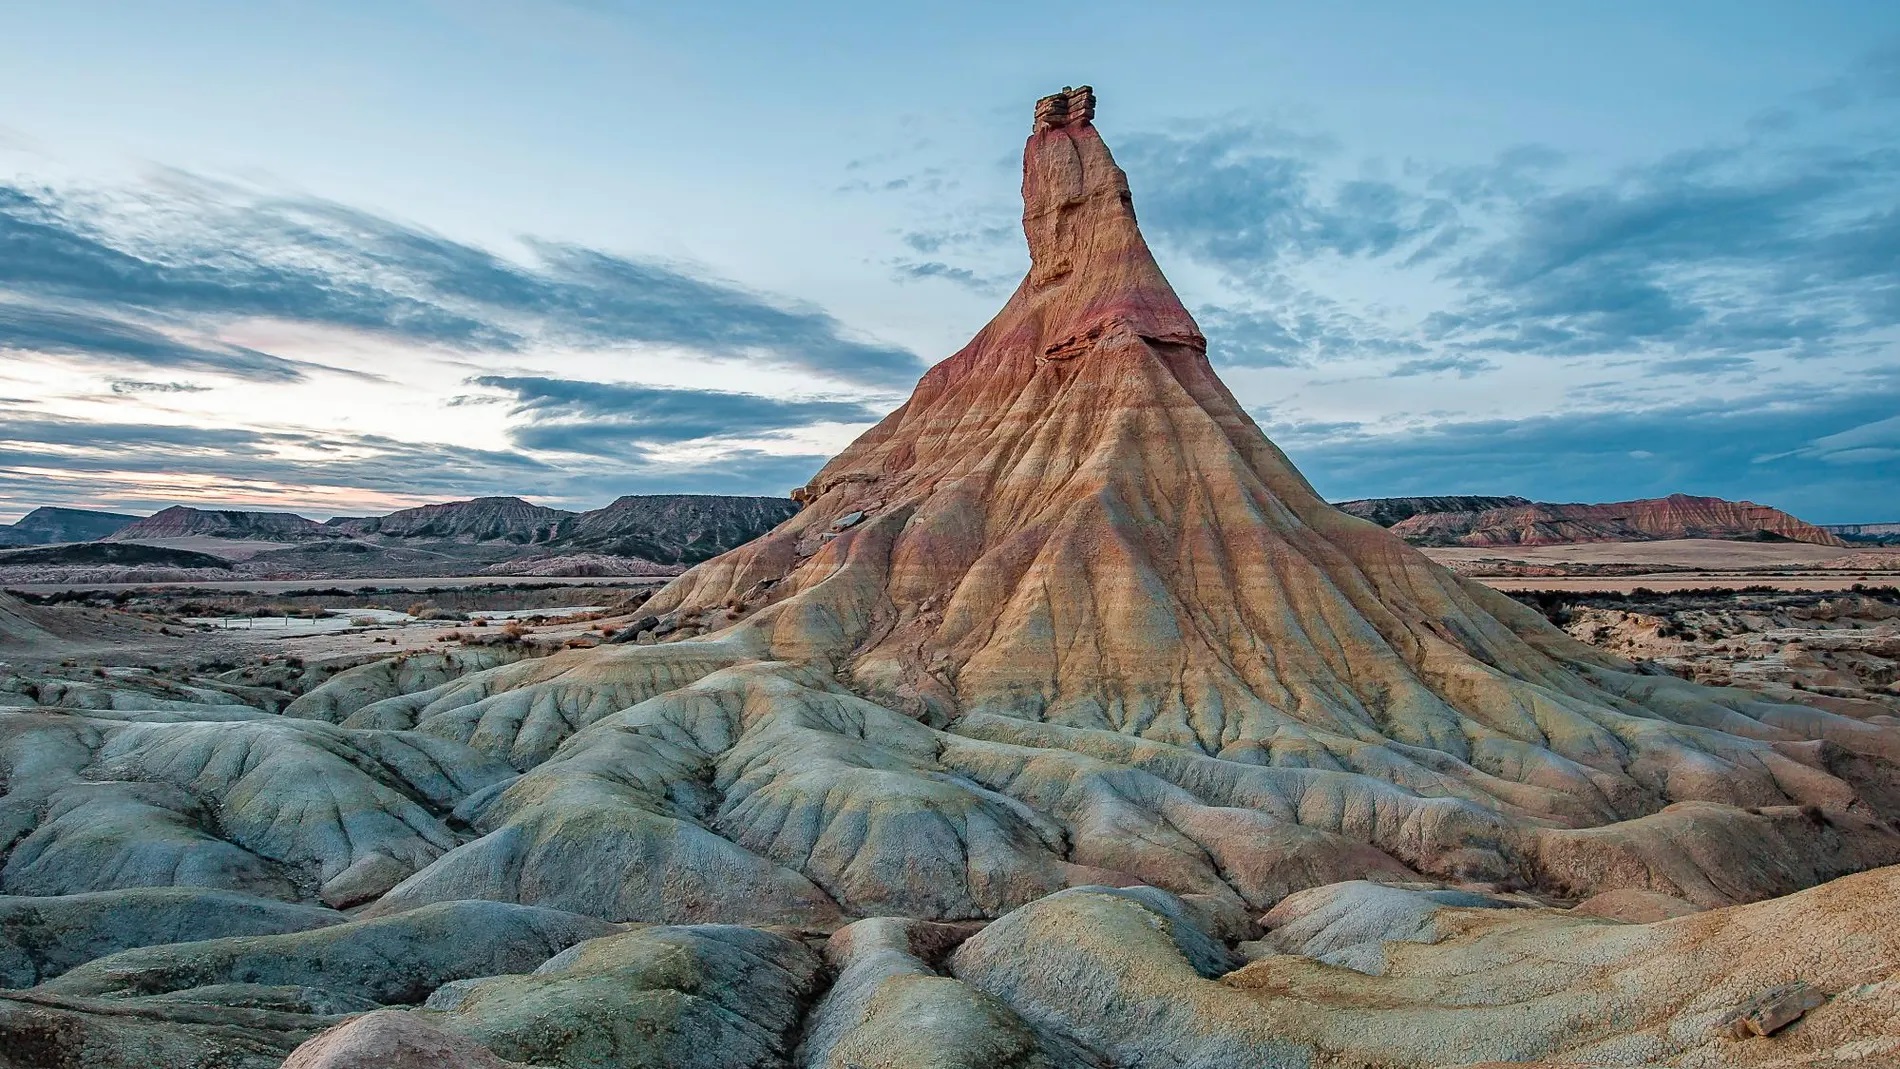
(341, 258)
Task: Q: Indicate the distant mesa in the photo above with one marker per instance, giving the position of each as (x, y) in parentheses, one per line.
(183, 521)
(672, 528)
(485, 519)
(1515, 521)
(1864, 533)
(1386, 511)
(49, 525)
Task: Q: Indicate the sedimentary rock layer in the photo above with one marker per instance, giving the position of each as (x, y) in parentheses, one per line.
(1533, 523)
(1063, 641)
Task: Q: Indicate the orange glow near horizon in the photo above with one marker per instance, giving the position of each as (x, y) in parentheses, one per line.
(132, 490)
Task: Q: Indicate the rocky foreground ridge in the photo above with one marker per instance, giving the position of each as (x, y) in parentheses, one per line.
(1063, 726)
(1515, 521)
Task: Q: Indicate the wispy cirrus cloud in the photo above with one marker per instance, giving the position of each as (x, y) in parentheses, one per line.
(154, 279)
(612, 419)
(99, 336)
(1734, 250)
(1449, 364)
(125, 387)
(919, 270)
(1248, 197)
(119, 276)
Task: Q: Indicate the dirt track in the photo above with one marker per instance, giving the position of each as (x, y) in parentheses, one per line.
(282, 586)
(1669, 581)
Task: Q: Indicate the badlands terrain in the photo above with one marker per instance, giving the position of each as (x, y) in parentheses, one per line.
(1062, 725)
(1514, 521)
(637, 535)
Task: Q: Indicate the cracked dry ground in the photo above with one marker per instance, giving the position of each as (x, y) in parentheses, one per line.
(1063, 726)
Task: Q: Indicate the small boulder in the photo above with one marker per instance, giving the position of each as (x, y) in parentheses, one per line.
(1774, 1009)
(633, 631)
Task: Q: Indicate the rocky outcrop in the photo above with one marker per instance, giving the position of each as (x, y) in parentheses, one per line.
(1865, 533)
(643, 534)
(1841, 651)
(1536, 523)
(485, 519)
(49, 526)
(1386, 511)
(672, 528)
(181, 521)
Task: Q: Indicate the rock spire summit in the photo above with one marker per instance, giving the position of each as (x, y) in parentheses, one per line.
(1072, 106)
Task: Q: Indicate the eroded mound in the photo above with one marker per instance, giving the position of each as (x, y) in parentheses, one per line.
(1064, 640)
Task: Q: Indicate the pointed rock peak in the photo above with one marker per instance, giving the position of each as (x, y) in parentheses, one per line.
(1091, 274)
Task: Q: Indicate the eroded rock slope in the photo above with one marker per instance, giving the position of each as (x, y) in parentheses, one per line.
(1063, 641)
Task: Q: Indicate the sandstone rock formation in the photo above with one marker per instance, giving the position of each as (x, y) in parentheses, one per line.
(1529, 523)
(999, 752)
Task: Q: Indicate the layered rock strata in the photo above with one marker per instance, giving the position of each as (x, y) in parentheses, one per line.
(1064, 641)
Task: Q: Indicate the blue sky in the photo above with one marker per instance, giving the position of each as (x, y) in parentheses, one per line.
(348, 257)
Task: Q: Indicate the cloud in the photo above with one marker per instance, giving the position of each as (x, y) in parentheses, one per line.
(1727, 251)
(911, 270)
(1763, 245)
(1825, 455)
(1248, 198)
(190, 253)
(1707, 272)
(134, 386)
(48, 460)
(182, 251)
(148, 466)
(974, 236)
(1462, 366)
(1304, 329)
(68, 333)
(1703, 365)
(368, 460)
(610, 419)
